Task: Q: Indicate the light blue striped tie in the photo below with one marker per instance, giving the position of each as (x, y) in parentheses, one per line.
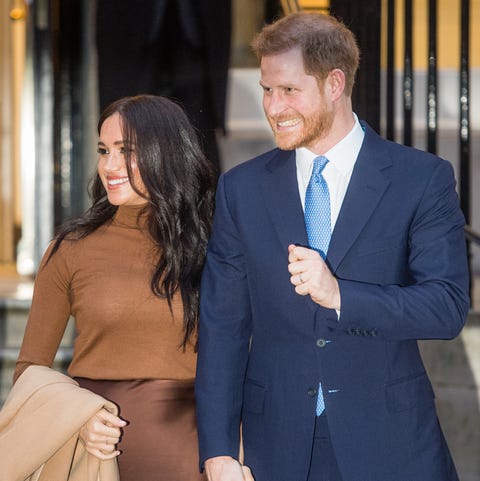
(318, 224)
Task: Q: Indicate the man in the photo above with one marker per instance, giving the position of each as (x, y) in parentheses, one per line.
(316, 359)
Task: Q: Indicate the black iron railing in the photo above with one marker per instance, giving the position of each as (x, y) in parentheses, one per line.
(432, 87)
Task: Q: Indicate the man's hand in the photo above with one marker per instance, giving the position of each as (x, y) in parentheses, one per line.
(225, 468)
(311, 276)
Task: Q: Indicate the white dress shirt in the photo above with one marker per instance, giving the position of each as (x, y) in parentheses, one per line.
(338, 171)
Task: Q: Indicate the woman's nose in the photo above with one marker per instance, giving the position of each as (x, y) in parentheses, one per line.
(113, 162)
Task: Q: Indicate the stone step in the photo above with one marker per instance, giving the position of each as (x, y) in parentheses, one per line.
(454, 369)
(13, 319)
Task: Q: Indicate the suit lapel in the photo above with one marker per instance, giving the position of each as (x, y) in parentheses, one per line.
(367, 185)
(366, 188)
(280, 192)
(282, 199)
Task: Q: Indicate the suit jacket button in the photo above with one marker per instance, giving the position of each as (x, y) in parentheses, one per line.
(312, 392)
(321, 343)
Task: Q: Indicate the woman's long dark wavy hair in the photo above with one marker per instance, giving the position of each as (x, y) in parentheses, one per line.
(179, 189)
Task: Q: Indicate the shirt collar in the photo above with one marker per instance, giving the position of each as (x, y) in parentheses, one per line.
(342, 155)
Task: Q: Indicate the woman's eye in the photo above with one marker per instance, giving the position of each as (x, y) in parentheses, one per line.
(102, 151)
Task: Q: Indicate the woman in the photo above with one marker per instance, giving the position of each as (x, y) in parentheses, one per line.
(128, 271)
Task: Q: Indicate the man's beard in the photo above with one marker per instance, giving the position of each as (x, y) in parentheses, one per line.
(315, 128)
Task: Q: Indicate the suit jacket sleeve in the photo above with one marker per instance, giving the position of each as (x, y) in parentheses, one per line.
(225, 329)
(434, 303)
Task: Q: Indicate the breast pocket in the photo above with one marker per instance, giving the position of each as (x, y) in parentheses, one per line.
(379, 261)
(382, 245)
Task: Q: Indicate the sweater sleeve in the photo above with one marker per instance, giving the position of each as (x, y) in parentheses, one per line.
(49, 312)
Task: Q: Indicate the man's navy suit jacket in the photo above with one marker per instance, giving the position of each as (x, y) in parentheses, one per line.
(398, 252)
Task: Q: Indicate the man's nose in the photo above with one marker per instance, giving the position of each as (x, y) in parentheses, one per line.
(274, 104)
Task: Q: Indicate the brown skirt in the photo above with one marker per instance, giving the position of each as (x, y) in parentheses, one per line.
(160, 440)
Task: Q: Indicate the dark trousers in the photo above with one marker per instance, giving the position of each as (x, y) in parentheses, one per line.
(323, 465)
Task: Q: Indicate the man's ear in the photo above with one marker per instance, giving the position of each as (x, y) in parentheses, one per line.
(335, 82)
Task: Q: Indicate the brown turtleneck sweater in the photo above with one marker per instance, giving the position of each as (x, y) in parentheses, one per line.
(123, 331)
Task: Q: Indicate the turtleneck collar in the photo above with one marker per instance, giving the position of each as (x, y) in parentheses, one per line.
(130, 216)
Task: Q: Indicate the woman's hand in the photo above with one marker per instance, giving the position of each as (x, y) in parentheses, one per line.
(101, 433)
